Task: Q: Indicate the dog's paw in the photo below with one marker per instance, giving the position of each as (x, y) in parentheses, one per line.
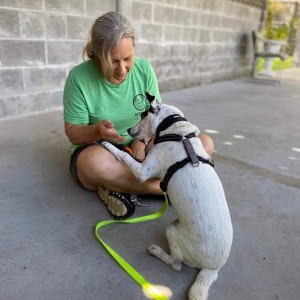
(154, 250)
(106, 145)
(112, 149)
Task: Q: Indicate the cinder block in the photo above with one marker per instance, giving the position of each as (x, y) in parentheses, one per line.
(164, 14)
(183, 17)
(28, 104)
(179, 50)
(55, 100)
(44, 78)
(31, 4)
(79, 27)
(195, 51)
(8, 107)
(32, 103)
(205, 36)
(9, 23)
(96, 8)
(55, 26)
(229, 8)
(170, 2)
(190, 35)
(22, 105)
(42, 25)
(22, 53)
(32, 24)
(11, 81)
(67, 6)
(142, 12)
(173, 33)
(151, 32)
(197, 19)
(172, 84)
(145, 50)
(62, 52)
(213, 21)
(49, 100)
(195, 4)
(211, 5)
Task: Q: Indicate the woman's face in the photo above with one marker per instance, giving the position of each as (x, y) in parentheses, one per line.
(122, 59)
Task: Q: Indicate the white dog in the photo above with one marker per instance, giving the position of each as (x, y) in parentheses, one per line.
(201, 237)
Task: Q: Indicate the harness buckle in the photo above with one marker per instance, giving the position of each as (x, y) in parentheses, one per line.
(195, 164)
(137, 203)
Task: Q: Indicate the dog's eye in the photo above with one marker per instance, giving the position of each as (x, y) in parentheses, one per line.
(144, 114)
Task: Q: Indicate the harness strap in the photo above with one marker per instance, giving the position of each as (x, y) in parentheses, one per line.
(191, 153)
(168, 121)
(179, 165)
(172, 138)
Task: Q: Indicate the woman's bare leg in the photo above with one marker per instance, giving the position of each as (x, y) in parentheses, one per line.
(207, 143)
(96, 166)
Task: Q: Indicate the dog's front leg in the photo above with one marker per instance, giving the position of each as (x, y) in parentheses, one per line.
(156, 251)
(134, 165)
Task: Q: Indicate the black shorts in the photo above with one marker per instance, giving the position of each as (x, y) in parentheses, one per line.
(73, 161)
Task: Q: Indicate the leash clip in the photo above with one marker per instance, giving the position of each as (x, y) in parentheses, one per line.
(137, 203)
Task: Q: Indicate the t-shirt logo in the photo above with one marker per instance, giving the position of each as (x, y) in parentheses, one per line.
(139, 102)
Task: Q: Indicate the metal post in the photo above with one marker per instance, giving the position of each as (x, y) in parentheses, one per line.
(263, 15)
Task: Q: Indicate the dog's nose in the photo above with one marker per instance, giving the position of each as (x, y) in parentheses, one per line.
(128, 130)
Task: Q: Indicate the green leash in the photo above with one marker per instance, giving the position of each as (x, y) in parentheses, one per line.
(147, 286)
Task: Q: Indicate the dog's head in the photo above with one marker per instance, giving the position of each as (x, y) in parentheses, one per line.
(151, 118)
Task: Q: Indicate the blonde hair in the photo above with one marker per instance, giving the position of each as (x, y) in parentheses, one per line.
(106, 33)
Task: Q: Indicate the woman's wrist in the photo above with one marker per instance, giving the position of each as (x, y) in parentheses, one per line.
(144, 141)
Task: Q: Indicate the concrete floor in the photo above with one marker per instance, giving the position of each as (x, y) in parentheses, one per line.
(48, 249)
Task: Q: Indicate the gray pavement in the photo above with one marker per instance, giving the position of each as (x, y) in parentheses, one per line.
(48, 249)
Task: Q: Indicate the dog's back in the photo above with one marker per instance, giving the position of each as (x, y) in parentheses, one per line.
(197, 195)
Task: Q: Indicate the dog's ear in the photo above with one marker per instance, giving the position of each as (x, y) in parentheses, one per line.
(154, 104)
(155, 107)
(150, 97)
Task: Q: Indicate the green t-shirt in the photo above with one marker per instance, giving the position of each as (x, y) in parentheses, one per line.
(89, 98)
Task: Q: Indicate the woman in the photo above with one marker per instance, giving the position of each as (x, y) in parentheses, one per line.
(103, 97)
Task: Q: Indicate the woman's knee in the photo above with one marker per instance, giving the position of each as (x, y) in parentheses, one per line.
(94, 163)
(207, 143)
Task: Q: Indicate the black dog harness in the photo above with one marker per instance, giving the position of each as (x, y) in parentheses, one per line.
(192, 157)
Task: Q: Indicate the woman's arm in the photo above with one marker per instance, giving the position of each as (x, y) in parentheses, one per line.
(85, 134)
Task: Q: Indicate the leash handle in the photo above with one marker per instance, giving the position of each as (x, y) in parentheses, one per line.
(147, 286)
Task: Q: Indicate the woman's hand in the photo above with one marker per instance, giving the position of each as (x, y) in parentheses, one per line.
(138, 150)
(80, 134)
(108, 132)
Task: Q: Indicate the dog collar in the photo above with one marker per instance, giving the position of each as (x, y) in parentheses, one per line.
(167, 122)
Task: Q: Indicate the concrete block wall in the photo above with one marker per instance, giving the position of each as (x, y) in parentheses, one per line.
(39, 42)
(189, 42)
(193, 42)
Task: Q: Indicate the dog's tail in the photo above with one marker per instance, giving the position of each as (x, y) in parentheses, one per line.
(205, 278)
